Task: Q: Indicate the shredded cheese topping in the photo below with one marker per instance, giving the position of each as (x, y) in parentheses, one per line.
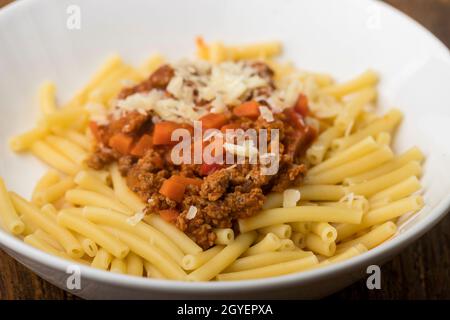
(136, 218)
(192, 212)
(290, 198)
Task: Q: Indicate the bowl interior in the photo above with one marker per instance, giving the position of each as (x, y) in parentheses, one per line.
(342, 40)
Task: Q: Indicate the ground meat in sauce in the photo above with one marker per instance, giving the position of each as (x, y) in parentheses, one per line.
(230, 193)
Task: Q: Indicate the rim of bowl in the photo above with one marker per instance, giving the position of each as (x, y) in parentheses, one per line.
(386, 249)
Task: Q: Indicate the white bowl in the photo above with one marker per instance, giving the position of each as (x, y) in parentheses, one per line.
(339, 37)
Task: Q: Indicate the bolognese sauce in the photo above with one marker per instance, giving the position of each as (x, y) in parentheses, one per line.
(233, 95)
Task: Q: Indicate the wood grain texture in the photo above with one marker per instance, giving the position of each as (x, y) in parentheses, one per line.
(421, 272)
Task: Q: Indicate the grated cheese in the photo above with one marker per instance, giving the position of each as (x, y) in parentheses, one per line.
(136, 218)
(192, 212)
(266, 113)
(290, 198)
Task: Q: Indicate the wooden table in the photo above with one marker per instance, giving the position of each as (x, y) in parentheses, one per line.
(420, 272)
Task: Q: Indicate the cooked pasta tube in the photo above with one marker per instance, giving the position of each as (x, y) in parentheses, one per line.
(181, 240)
(76, 137)
(123, 193)
(301, 214)
(153, 272)
(67, 148)
(286, 245)
(8, 215)
(273, 200)
(397, 191)
(322, 192)
(339, 173)
(49, 178)
(382, 214)
(25, 140)
(150, 253)
(47, 99)
(266, 259)
(44, 246)
(282, 231)
(62, 118)
(224, 258)
(360, 149)
(386, 123)
(64, 237)
(367, 78)
(102, 259)
(52, 157)
(360, 203)
(118, 220)
(308, 192)
(224, 236)
(270, 242)
(30, 227)
(354, 107)
(90, 198)
(49, 211)
(372, 238)
(384, 138)
(347, 254)
(80, 98)
(272, 270)
(194, 261)
(413, 154)
(118, 266)
(90, 182)
(320, 146)
(299, 239)
(302, 227)
(318, 245)
(53, 192)
(89, 246)
(324, 230)
(135, 265)
(375, 185)
(42, 235)
(91, 231)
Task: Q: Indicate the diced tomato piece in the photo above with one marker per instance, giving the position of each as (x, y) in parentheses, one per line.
(249, 109)
(94, 127)
(121, 143)
(169, 215)
(213, 120)
(145, 143)
(207, 169)
(173, 189)
(162, 132)
(186, 181)
(295, 119)
(302, 105)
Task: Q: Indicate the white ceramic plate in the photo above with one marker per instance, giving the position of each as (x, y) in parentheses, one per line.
(338, 37)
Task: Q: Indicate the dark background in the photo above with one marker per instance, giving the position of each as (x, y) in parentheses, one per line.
(422, 271)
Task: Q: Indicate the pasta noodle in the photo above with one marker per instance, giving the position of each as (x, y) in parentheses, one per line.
(224, 236)
(272, 270)
(192, 262)
(282, 231)
(102, 259)
(135, 265)
(223, 259)
(305, 213)
(92, 231)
